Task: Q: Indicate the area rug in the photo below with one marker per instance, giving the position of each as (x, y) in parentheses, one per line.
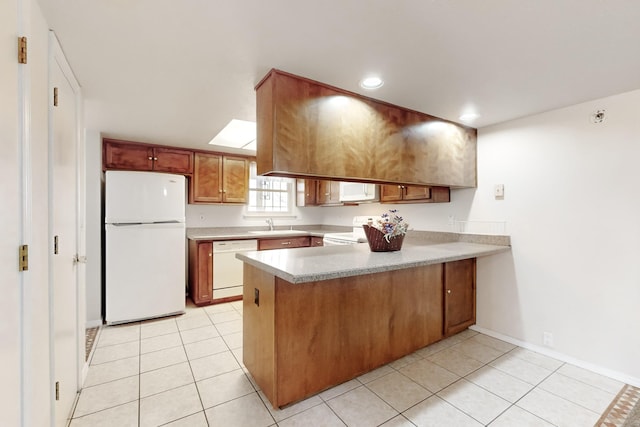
(624, 411)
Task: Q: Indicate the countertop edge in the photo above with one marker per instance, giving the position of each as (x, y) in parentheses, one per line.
(480, 250)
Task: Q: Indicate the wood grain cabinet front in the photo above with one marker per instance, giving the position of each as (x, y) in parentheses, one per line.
(459, 295)
(317, 192)
(219, 178)
(201, 271)
(284, 243)
(125, 155)
(316, 241)
(303, 132)
(414, 194)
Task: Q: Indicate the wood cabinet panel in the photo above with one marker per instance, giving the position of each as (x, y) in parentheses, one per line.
(459, 295)
(414, 194)
(328, 192)
(173, 160)
(316, 241)
(315, 192)
(219, 178)
(121, 155)
(235, 179)
(207, 180)
(335, 329)
(201, 271)
(303, 132)
(306, 190)
(145, 157)
(284, 243)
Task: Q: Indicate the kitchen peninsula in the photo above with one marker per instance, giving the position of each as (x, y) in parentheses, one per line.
(316, 317)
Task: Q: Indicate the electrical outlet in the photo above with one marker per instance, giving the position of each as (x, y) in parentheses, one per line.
(201, 217)
(547, 339)
(498, 191)
(450, 220)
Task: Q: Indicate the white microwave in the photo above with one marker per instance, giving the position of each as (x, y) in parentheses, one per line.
(359, 192)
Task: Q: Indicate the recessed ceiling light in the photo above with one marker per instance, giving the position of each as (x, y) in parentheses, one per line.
(372, 82)
(469, 117)
(236, 134)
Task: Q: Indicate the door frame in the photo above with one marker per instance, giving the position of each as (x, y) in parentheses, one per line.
(57, 58)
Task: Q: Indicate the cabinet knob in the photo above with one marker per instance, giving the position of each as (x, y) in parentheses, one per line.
(448, 291)
(150, 158)
(210, 254)
(155, 158)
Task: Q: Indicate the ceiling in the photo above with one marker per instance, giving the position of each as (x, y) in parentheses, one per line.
(176, 72)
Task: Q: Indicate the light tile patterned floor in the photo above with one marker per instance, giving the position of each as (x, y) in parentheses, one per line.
(187, 371)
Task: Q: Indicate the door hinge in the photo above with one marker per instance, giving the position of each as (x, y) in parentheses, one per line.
(57, 390)
(55, 96)
(22, 50)
(55, 245)
(23, 258)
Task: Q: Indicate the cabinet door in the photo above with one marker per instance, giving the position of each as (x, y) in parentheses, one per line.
(328, 192)
(201, 272)
(459, 295)
(235, 179)
(440, 194)
(307, 190)
(173, 160)
(416, 192)
(391, 193)
(207, 179)
(118, 155)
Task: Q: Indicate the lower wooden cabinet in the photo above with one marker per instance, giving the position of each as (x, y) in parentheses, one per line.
(284, 243)
(316, 241)
(459, 295)
(201, 271)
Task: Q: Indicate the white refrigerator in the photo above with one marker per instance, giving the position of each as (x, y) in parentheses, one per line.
(145, 247)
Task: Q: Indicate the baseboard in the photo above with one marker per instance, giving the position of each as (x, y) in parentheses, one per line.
(619, 376)
(93, 323)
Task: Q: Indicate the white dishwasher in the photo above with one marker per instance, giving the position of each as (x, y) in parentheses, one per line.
(227, 269)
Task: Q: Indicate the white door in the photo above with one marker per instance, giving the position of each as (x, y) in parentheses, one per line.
(10, 219)
(63, 202)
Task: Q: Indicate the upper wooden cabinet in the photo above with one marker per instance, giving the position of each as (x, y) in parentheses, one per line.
(414, 194)
(306, 190)
(134, 156)
(219, 178)
(328, 192)
(314, 192)
(309, 129)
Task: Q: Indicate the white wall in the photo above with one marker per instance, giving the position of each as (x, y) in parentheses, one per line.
(572, 207)
(93, 177)
(232, 216)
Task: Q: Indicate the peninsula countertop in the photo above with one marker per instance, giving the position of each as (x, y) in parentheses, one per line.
(303, 265)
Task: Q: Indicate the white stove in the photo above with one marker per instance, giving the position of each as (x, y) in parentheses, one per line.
(349, 238)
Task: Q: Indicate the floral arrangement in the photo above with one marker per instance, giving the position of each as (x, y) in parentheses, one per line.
(391, 224)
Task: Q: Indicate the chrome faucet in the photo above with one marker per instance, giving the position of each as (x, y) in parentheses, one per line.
(270, 222)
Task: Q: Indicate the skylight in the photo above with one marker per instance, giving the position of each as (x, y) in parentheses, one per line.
(237, 134)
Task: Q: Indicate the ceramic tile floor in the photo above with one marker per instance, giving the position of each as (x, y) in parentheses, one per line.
(187, 371)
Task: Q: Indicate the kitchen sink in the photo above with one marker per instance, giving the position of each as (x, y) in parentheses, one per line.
(279, 232)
